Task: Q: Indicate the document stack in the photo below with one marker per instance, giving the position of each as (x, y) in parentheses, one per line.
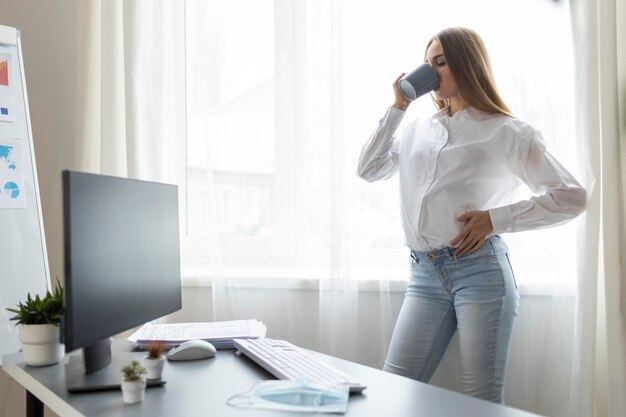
(219, 333)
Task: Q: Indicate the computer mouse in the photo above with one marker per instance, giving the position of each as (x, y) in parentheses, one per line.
(192, 350)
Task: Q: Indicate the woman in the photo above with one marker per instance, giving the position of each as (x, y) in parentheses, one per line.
(457, 173)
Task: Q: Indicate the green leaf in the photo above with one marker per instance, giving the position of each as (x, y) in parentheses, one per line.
(133, 371)
(40, 310)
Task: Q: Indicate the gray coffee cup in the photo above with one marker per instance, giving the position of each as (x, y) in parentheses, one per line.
(418, 82)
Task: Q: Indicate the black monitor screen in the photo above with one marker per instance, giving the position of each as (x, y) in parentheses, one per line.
(122, 255)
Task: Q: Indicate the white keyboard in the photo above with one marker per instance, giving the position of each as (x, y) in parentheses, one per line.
(287, 361)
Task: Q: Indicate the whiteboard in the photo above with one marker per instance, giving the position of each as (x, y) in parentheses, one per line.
(23, 256)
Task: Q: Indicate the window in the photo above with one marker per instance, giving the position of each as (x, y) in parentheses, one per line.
(282, 95)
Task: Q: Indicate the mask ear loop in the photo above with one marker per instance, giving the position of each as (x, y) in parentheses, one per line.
(244, 396)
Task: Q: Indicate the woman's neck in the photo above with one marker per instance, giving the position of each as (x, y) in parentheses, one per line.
(456, 105)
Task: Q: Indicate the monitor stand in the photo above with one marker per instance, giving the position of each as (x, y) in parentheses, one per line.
(102, 371)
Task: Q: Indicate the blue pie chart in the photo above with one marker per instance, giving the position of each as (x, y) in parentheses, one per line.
(12, 189)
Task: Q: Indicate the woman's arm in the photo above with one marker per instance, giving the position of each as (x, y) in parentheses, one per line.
(379, 156)
(560, 199)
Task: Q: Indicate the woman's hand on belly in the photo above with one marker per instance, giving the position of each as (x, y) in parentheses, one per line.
(477, 229)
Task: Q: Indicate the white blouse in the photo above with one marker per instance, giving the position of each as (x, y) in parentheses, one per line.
(470, 161)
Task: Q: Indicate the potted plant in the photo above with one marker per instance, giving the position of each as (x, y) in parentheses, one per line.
(38, 320)
(133, 383)
(154, 359)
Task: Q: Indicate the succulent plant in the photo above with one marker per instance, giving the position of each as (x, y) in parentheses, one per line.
(133, 371)
(40, 310)
(155, 349)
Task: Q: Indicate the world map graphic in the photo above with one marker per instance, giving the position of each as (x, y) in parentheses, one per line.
(11, 189)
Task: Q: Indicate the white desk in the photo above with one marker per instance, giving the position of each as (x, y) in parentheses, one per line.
(198, 388)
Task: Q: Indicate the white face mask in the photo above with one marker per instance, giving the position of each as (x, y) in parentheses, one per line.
(301, 395)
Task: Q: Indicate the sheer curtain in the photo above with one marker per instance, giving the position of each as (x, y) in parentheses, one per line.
(599, 368)
(130, 103)
(271, 175)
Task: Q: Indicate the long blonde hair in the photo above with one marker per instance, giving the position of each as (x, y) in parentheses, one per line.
(470, 66)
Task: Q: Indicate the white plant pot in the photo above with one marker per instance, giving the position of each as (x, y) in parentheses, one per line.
(40, 344)
(133, 391)
(154, 367)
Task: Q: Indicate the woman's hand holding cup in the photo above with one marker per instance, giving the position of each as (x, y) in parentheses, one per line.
(401, 103)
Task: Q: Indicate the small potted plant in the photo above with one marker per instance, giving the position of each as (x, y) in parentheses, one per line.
(133, 383)
(38, 320)
(154, 359)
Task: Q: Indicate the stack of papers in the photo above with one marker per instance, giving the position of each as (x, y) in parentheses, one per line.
(219, 333)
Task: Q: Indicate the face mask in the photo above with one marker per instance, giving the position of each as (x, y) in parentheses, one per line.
(301, 395)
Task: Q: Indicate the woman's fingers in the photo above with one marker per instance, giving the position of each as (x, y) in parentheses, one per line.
(400, 101)
(475, 232)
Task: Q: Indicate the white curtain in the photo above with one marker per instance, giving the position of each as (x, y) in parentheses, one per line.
(599, 365)
(130, 100)
(311, 164)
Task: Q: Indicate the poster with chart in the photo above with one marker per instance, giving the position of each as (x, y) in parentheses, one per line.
(7, 110)
(11, 175)
(23, 254)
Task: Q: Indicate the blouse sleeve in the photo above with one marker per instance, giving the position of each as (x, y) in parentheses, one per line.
(559, 197)
(379, 156)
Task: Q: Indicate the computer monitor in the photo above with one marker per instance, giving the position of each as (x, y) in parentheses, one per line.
(122, 267)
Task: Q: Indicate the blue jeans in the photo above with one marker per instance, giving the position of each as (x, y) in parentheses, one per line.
(475, 294)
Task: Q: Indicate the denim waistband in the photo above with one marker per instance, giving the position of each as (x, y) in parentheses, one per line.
(447, 252)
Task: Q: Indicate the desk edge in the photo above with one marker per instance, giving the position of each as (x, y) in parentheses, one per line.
(46, 396)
